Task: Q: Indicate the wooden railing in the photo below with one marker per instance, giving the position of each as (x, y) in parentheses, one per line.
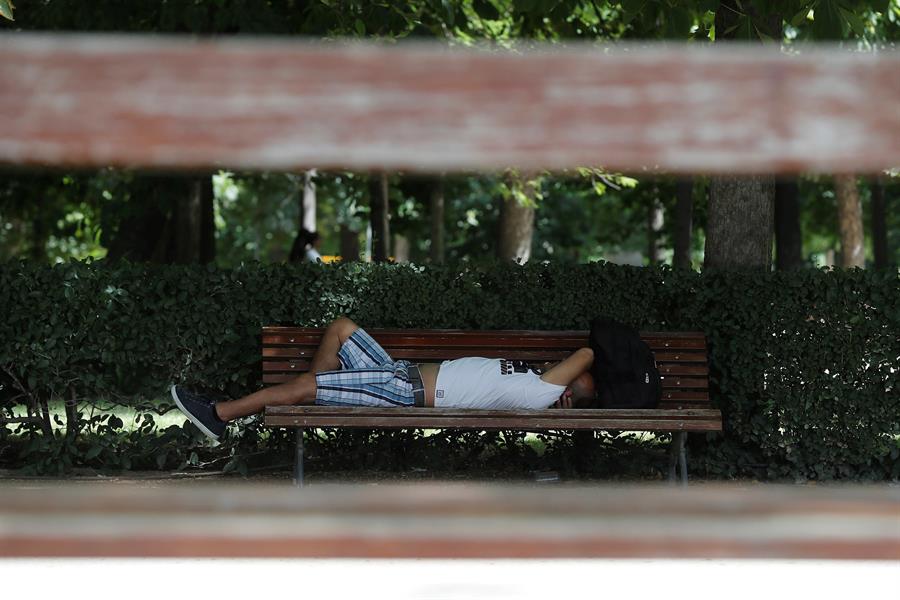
(89, 101)
(441, 520)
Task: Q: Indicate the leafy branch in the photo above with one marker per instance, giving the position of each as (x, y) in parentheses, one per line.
(6, 9)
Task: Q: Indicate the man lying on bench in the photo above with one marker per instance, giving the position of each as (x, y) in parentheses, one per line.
(351, 369)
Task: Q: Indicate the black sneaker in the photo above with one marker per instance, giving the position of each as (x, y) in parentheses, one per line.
(200, 409)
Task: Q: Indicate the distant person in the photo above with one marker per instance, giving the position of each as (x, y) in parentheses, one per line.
(351, 369)
(306, 247)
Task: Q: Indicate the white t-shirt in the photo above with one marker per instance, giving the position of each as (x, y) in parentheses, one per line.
(492, 383)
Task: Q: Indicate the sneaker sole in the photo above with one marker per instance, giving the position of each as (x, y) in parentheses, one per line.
(192, 418)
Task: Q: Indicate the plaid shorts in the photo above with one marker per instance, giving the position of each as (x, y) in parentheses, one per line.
(368, 377)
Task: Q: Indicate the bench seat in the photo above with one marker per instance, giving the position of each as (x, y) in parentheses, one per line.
(665, 420)
(681, 358)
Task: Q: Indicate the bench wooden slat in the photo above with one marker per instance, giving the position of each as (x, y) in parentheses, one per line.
(687, 395)
(680, 356)
(436, 354)
(490, 334)
(449, 341)
(510, 339)
(683, 382)
(537, 333)
(290, 352)
(532, 423)
(439, 354)
(526, 424)
(505, 341)
(299, 366)
(436, 418)
(470, 413)
(665, 404)
(682, 405)
(683, 369)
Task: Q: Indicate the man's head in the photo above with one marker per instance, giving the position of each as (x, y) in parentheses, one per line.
(583, 391)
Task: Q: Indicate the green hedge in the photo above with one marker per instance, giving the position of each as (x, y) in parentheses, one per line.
(804, 365)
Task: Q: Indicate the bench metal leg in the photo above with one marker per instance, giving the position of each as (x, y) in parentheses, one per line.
(678, 455)
(298, 459)
(682, 458)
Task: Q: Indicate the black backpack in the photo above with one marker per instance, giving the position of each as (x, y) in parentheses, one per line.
(624, 370)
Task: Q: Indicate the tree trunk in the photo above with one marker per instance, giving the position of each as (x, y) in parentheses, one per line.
(171, 218)
(437, 221)
(38, 240)
(349, 244)
(187, 226)
(308, 206)
(306, 220)
(788, 238)
(517, 223)
(401, 248)
(740, 222)
(380, 215)
(741, 209)
(163, 249)
(879, 224)
(849, 221)
(684, 209)
(207, 219)
(72, 424)
(194, 226)
(46, 423)
(144, 234)
(654, 226)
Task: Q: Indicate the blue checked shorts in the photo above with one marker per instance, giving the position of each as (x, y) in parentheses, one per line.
(368, 377)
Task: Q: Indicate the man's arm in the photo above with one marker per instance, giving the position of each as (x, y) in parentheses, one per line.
(568, 370)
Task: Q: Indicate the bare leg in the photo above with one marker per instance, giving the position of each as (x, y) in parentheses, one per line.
(301, 390)
(326, 357)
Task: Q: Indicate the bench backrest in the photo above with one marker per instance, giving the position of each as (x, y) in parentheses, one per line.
(681, 356)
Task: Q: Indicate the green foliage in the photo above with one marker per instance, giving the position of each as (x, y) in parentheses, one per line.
(51, 216)
(580, 216)
(104, 445)
(803, 365)
(6, 9)
(257, 216)
(321, 18)
(819, 218)
(468, 21)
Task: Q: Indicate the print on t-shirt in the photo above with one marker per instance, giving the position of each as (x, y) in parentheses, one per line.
(517, 366)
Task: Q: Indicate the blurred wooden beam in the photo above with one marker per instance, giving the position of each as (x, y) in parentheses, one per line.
(451, 521)
(174, 103)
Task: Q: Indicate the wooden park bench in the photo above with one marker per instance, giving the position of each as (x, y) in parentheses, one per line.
(680, 356)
